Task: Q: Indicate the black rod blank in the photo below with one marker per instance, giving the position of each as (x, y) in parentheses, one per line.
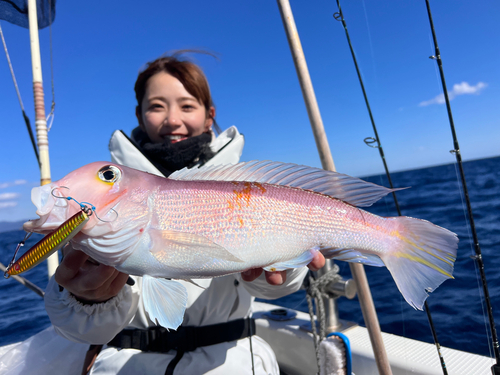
(340, 17)
(478, 257)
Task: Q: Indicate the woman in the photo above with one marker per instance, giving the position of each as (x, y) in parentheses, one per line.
(92, 304)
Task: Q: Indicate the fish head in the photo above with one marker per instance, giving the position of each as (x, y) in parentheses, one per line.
(116, 199)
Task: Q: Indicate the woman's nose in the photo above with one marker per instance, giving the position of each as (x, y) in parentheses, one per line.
(173, 117)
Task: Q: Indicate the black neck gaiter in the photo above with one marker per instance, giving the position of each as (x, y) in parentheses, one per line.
(170, 157)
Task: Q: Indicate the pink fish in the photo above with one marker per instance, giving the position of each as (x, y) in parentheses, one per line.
(213, 221)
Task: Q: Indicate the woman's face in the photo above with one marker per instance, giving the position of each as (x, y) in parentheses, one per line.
(169, 113)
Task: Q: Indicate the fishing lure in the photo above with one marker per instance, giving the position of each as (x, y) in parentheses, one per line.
(48, 244)
(53, 241)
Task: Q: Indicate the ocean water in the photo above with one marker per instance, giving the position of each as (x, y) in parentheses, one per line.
(456, 306)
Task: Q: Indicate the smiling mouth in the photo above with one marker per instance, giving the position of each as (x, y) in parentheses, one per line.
(174, 138)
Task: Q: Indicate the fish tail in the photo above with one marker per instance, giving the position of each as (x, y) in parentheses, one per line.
(422, 259)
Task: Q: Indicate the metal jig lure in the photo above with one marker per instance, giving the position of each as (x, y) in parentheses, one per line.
(53, 241)
(47, 245)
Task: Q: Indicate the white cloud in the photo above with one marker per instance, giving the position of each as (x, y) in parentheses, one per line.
(7, 204)
(458, 89)
(6, 196)
(465, 88)
(4, 185)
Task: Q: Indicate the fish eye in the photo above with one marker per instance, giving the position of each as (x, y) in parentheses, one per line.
(109, 173)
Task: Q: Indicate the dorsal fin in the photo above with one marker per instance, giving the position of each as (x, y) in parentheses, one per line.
(346, 188)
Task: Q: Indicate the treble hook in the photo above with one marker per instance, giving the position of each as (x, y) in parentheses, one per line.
(6, 273)
(86, 207)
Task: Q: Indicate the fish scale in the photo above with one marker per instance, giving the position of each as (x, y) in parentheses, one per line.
(239, 222)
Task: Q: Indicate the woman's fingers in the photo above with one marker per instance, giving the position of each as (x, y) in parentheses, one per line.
(252, 274)
(70, 266)
(118, 283)
(279, 277)
(109, 285)
(317, 262)
(276, 278)
(88, 281)
(273, 278)
(94, 276)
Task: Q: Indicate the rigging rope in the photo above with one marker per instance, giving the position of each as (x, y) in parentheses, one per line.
(369, 141)
(478, 256)
(317, 290)
(25, 116)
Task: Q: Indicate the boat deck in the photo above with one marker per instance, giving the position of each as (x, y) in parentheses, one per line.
(406, 356)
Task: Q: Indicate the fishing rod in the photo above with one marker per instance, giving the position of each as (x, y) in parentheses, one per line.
(456, 150)
(375, 143)
(25, 116)
(21, 280)
(357, 269)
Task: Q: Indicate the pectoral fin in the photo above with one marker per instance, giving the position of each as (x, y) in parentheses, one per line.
(164, 301)
(189, 251)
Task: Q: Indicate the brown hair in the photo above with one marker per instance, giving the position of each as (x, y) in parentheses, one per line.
(188, 73)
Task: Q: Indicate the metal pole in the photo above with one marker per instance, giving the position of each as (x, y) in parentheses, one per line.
(40, 121)
(331, 309)
(306, 86)
(357, 270)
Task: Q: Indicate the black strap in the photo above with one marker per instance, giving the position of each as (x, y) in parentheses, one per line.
(188, 338)
(174, 362)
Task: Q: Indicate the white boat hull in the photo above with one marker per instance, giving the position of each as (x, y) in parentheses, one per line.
(294, 350)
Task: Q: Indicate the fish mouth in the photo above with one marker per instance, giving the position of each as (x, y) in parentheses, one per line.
(51, 207)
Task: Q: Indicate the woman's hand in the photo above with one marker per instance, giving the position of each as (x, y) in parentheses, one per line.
(87, 281)
(279, 277)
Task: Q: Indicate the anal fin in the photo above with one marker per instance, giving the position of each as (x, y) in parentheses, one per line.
(191, 281)
(353, 256)
(301, 261)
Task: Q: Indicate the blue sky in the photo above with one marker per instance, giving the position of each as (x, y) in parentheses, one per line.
(99, 47)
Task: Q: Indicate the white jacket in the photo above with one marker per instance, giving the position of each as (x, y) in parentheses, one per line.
(223, 299)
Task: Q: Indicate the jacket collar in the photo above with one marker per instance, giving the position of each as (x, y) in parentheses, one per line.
(228, 147)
